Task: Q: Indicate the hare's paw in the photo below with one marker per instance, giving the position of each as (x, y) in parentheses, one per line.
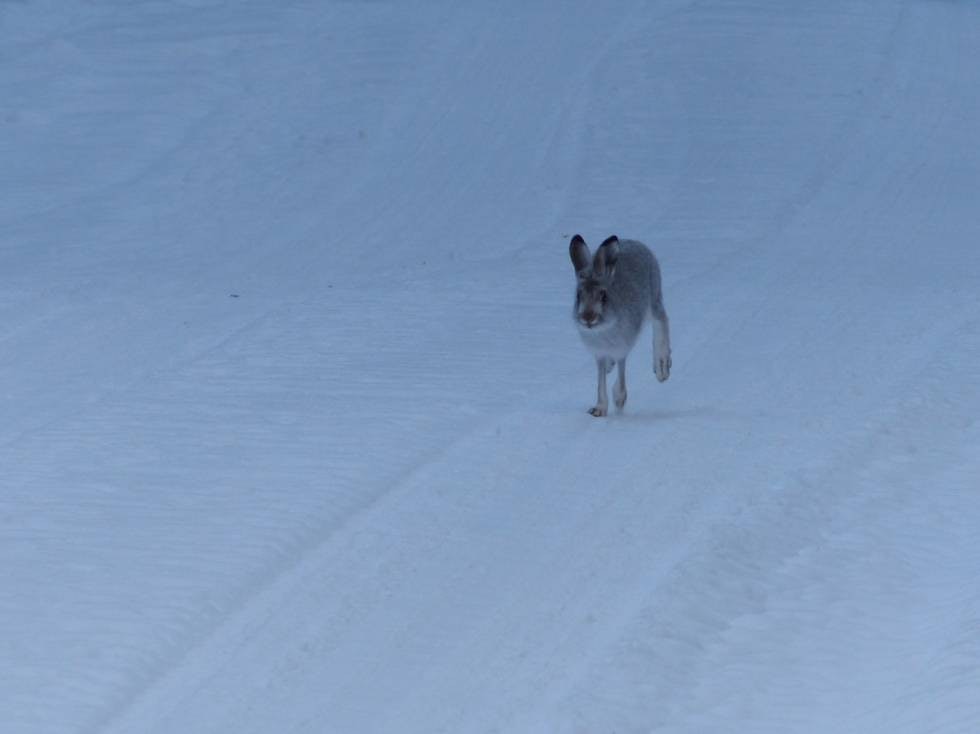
(598, 411)
(619, 396)
(662, 367)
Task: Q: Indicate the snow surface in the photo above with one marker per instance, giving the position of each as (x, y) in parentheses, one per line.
(294, 430)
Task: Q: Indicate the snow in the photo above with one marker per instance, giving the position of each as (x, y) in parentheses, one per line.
(295, 432)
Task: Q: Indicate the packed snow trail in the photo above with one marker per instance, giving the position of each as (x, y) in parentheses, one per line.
(295, 432)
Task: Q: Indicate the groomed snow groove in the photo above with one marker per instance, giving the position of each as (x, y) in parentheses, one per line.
(295, 433)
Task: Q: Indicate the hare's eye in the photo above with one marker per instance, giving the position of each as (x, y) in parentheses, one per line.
(603, 296)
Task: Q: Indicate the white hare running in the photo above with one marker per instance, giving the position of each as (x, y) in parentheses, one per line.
(617, 290)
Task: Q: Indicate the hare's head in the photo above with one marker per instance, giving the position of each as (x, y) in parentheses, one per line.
(594, 276)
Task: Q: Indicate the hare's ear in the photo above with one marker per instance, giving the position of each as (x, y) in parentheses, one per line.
(605, 257)
(579, 252)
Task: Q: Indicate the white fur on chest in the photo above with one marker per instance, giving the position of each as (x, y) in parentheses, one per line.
(609, 340)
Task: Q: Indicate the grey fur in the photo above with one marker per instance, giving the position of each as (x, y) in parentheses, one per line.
(617, 291)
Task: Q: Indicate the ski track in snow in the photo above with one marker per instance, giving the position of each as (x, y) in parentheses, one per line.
(296, 435)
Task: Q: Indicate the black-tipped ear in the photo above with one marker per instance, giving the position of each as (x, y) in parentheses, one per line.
(610, 240)
(606, 255)
(579, 252)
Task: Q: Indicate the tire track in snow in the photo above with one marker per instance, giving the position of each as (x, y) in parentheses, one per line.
(790, 566)
(506, 558)
(280, 688)
(652, 665)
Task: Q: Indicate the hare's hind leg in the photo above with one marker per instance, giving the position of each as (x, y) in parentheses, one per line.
(619, 389)
(603, 366)
(661, 341)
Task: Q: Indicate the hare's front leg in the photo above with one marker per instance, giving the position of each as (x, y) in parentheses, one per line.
(603, 366)
(619, 389)
(661, 342)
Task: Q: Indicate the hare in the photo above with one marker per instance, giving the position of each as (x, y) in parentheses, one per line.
(617, 290)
